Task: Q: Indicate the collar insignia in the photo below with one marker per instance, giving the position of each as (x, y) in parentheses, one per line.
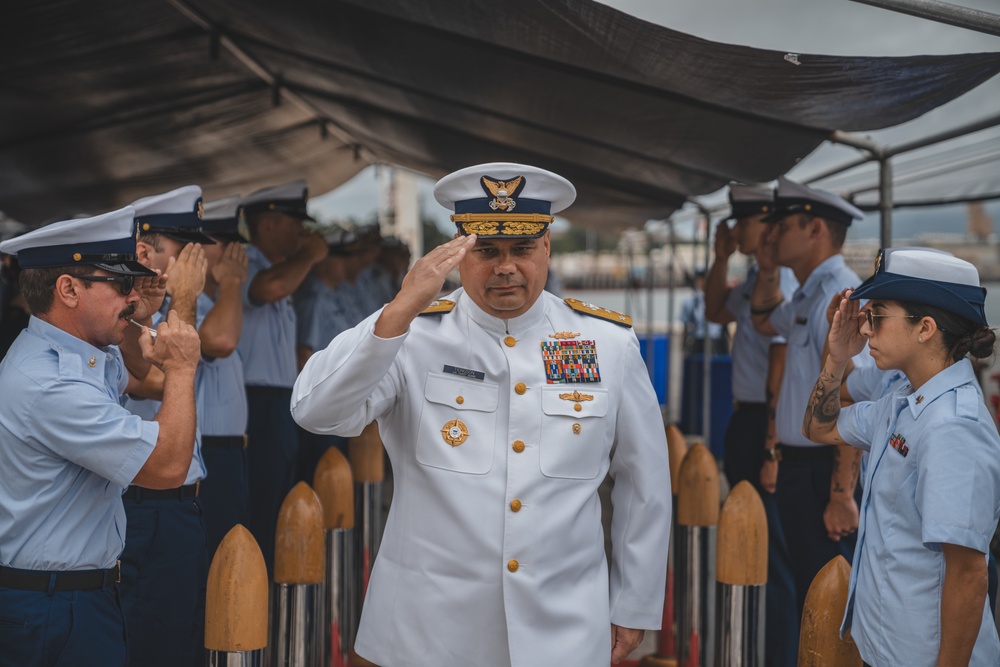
(503, 192)
(919, 399)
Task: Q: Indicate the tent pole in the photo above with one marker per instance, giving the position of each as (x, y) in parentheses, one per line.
(885, 200)
(942, 12)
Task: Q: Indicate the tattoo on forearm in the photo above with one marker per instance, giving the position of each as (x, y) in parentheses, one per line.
(824, 403)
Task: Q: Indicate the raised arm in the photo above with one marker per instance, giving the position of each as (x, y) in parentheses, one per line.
(221, 328)
(766, 294)
(716, 290)
(283, 278)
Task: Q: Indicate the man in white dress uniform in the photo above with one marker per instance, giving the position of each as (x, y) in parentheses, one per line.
(502, 408)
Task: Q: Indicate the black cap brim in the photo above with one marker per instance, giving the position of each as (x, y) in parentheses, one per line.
(127, 269)
(189, 237)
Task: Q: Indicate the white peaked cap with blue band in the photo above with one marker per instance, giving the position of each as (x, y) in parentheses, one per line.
(749, 200)
(176, 214)
(929, 277)
(503, 199)
(106, 241)
(792, 197)
(288, 198)
(221, 220)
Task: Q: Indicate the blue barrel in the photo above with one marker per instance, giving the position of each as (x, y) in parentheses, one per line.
(721, 398)
(657, 358)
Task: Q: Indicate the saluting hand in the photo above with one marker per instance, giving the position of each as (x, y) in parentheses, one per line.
(232, 266)
(187, 274)
(767, 248)
(845, 333)
(312, 246)
(177, 347)
(725, 243)
(151, 291)
(421, 286)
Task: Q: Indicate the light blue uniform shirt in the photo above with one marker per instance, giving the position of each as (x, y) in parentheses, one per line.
(351, 299)
(219, 393)
(870, 383)
(267, 342)
(934, 478)
(802, 321)
(146, 408)
(750, 348)
(319, 314)
(68, 452)
(693, 317)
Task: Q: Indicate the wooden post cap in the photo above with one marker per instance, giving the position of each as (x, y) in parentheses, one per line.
(676, 449)
(334, 484)
(698, 488)
(236, 595)
(656, 661)
(820, 644)
(300, 539)
(365, 452)
(741, 547)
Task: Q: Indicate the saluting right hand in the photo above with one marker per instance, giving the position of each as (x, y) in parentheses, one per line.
(186, 276)
(845, 337)
(313, 247)
(767, 248)
(421, 286)
(177, 346)
(232, 266)
(725, 243)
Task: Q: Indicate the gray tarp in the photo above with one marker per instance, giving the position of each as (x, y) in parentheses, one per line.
(105, 101)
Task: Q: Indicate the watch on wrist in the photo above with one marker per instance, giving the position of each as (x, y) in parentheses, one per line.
(772, 454)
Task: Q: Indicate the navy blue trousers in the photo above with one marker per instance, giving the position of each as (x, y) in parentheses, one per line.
(743, 444)
(312, 447)
(802, 494)
(164, 573)
(225, 495)
(272, 452)
(62, 629)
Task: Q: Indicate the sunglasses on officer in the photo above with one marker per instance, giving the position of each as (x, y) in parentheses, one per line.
(871, 318)
(125, 282)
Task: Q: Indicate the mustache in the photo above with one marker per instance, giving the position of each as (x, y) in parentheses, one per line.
(503, 282)
(127, 312)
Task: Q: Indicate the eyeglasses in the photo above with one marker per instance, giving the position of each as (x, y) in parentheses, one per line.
(125, 283)
(870, 318)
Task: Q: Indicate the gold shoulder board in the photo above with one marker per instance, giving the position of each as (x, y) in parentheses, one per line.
(601, 313)
(438, 306)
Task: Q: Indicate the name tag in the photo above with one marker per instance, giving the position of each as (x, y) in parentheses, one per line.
(465, 372)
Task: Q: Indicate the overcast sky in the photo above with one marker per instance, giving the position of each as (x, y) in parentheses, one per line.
(829, 27)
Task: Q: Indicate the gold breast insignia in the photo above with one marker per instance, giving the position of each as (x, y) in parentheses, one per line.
(577, 397)
(455, 432)
(564, 335)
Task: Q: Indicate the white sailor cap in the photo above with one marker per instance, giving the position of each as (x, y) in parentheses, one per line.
(792, 197)
(504, 199)
(106, 241)
(175, 214)
(221, 220)
(929, 277)
(749, 200)
(289, 198)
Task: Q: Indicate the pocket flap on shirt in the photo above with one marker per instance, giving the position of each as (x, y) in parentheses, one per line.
(461, 394)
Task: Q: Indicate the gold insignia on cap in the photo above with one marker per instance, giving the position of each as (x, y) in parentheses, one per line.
(145, 226)
(576, 396)
(481, 228)
(92, 362)
(522, 228)
(77, 257)
(809, 207)
(878, 260)
(563, 335)
(502, 191)
(201, 210)
(455, 432)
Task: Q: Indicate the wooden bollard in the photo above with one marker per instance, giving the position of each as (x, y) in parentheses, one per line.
(820, 644)
(741, 577)
(666, 652)
(697, 517)
(299, 567)
(236, 602)
(334, 484)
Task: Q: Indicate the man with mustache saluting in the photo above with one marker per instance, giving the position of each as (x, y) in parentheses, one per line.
(69, 449)
(502, 408)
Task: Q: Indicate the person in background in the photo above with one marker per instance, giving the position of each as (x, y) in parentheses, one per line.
(502, 408)
(219, 385)
(165, 561)
(281, 254)
(70, 449)
(743, 442)
(814, 484)
(696, 327)
(918, 588)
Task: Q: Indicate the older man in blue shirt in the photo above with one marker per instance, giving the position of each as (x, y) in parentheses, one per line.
(70, 449)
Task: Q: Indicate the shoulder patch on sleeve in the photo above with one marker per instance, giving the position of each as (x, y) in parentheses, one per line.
(438, 306)
(600, 313)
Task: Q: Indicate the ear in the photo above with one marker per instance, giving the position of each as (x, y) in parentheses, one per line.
(143, 251)
(547, 243)
(67, 291)
(926, 328)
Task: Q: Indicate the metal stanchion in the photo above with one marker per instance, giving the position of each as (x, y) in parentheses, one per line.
(299, 564)
(334, 485)
(697, 516)
(741, 577)
(665, 655)
(820, 644)
(236, 603)
(368, 465)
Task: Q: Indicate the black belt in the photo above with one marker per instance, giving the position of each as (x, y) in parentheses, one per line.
(224, 441)
(70, 580)
(792, 453)
(747, 405)
(181, 492)
(268, 390)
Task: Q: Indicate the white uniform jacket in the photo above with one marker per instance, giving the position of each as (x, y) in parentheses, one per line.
(493, 552)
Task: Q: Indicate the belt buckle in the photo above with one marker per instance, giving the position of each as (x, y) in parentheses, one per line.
(197, 488)
(118, 571)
